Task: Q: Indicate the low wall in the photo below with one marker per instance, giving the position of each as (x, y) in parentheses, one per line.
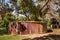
(27, 27)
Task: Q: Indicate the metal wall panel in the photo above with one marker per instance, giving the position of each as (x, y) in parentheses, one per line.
(30, 28)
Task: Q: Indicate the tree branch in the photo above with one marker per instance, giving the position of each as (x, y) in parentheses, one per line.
(45, 4)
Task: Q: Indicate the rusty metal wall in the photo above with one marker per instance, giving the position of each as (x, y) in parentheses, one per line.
(31, 28)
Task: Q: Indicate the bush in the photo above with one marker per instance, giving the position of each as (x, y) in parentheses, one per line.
(4, 23)
(40, 19)
(21, 18)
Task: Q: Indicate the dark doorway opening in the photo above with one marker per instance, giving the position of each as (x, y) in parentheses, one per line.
(54, 23)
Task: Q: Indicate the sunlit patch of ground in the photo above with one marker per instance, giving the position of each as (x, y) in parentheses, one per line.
(11, 37)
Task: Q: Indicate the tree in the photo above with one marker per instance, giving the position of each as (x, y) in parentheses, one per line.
(8, 18)
(53, 10)
(4, 11)
(28, 6)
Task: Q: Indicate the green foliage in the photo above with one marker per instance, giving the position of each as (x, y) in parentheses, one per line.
(32, 17)
(4, 23)
(30, 7)
(26, 6)
(21, 18)
(40, 19)
(8, 18)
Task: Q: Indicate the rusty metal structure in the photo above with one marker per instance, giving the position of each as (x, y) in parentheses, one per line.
(27, 27)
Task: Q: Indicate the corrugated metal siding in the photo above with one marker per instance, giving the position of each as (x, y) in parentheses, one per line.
(31, 28)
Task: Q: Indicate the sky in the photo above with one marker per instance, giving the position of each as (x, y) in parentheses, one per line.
(6, 1)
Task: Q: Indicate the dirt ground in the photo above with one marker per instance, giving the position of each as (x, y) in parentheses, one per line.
(49, 37)
(55, 35)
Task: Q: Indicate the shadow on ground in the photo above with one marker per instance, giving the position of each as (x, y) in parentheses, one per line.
(49, 37)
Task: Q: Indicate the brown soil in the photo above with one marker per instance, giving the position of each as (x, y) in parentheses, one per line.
(55, 35)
